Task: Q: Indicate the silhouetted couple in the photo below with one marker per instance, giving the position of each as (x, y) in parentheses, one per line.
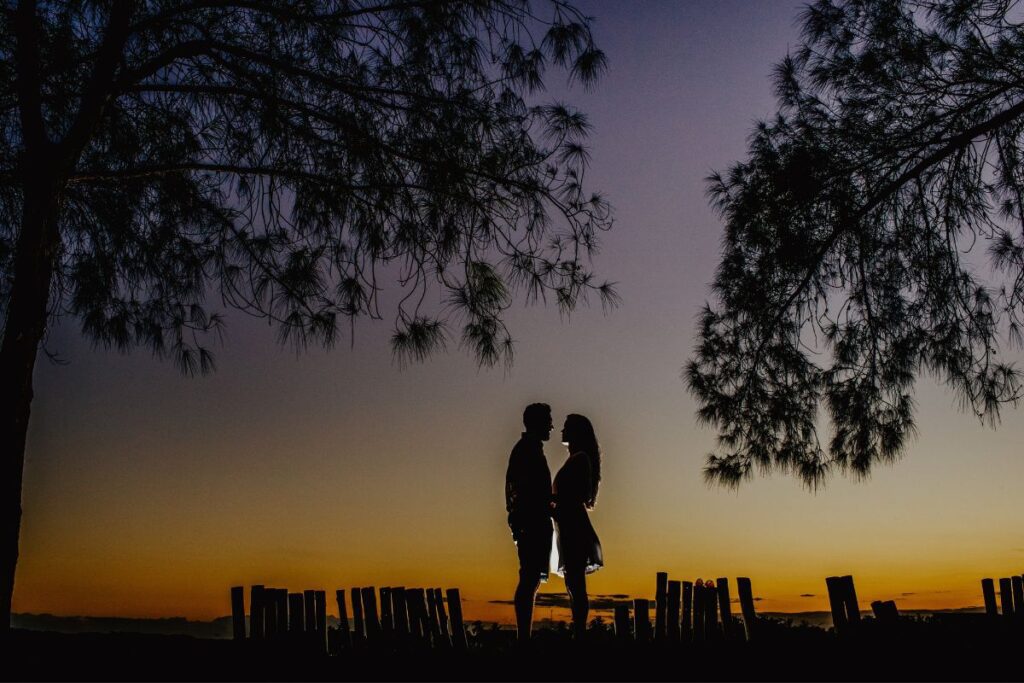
(533, 501)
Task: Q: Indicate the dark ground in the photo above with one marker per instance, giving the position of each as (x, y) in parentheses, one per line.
(966, 647)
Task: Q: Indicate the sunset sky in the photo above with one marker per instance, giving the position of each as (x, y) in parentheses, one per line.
(150, 494)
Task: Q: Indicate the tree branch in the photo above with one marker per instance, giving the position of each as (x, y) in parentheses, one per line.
(189, 48)
(301, 107)
(26, 79)
(113, 175)
(100, 86)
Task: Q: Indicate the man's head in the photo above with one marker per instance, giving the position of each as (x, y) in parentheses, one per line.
(537, 420)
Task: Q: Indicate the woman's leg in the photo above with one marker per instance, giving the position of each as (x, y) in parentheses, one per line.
(576, 585)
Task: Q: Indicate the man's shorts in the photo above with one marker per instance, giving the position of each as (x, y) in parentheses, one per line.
(533, 543)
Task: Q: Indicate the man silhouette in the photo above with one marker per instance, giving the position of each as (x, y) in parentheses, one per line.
(528, 502)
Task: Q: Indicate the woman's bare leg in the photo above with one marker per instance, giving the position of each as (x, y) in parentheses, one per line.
(576, 585)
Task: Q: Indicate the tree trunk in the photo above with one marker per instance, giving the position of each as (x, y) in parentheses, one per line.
(35, 257)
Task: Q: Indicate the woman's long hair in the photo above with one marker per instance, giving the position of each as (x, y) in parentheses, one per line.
(581, 437)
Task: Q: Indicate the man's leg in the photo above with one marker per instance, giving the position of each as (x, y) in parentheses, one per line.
(526, 593)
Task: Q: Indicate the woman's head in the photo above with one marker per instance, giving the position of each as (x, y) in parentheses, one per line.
(579, 434)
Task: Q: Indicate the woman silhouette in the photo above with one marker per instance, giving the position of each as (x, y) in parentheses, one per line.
(574, 492)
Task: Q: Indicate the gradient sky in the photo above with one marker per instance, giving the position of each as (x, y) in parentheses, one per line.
(149, 494)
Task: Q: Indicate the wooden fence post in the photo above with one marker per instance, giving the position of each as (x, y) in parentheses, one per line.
(660, 606)
(850, 600)
(343, 628)
(420, 602)
(988, 590)
(421, 607)
(1006, 597)
(687, 625)
(387, 618)
(238, 612)
(699, 620)
(836, 603)
(708, 609)
(400, 611)
(442, 617)
(455, 611)
(416, 622)
(283, 611)
(1018, 597)
(270, 612)
(370, 612)
(642, 619)
(320, 599)
(725, 606)
(711, 631)
(885, 611)
(281, 598)
(309, 609)
(433, 621)
(746, 595)
(356, 594)
(256, 629)
(296, 618)
(622, 631)
(673, 611)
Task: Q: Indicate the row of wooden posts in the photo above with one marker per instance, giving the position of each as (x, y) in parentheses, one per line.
(684, 611)
(706, 610)
(845, 612)
(407, 614)
(1011, 596)
(687, 611)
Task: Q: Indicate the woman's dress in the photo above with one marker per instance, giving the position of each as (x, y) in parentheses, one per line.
(576, 540)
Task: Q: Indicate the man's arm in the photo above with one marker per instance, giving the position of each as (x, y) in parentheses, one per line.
(513, 481)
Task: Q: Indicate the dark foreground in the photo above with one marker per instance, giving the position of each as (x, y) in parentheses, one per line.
(960, 648)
